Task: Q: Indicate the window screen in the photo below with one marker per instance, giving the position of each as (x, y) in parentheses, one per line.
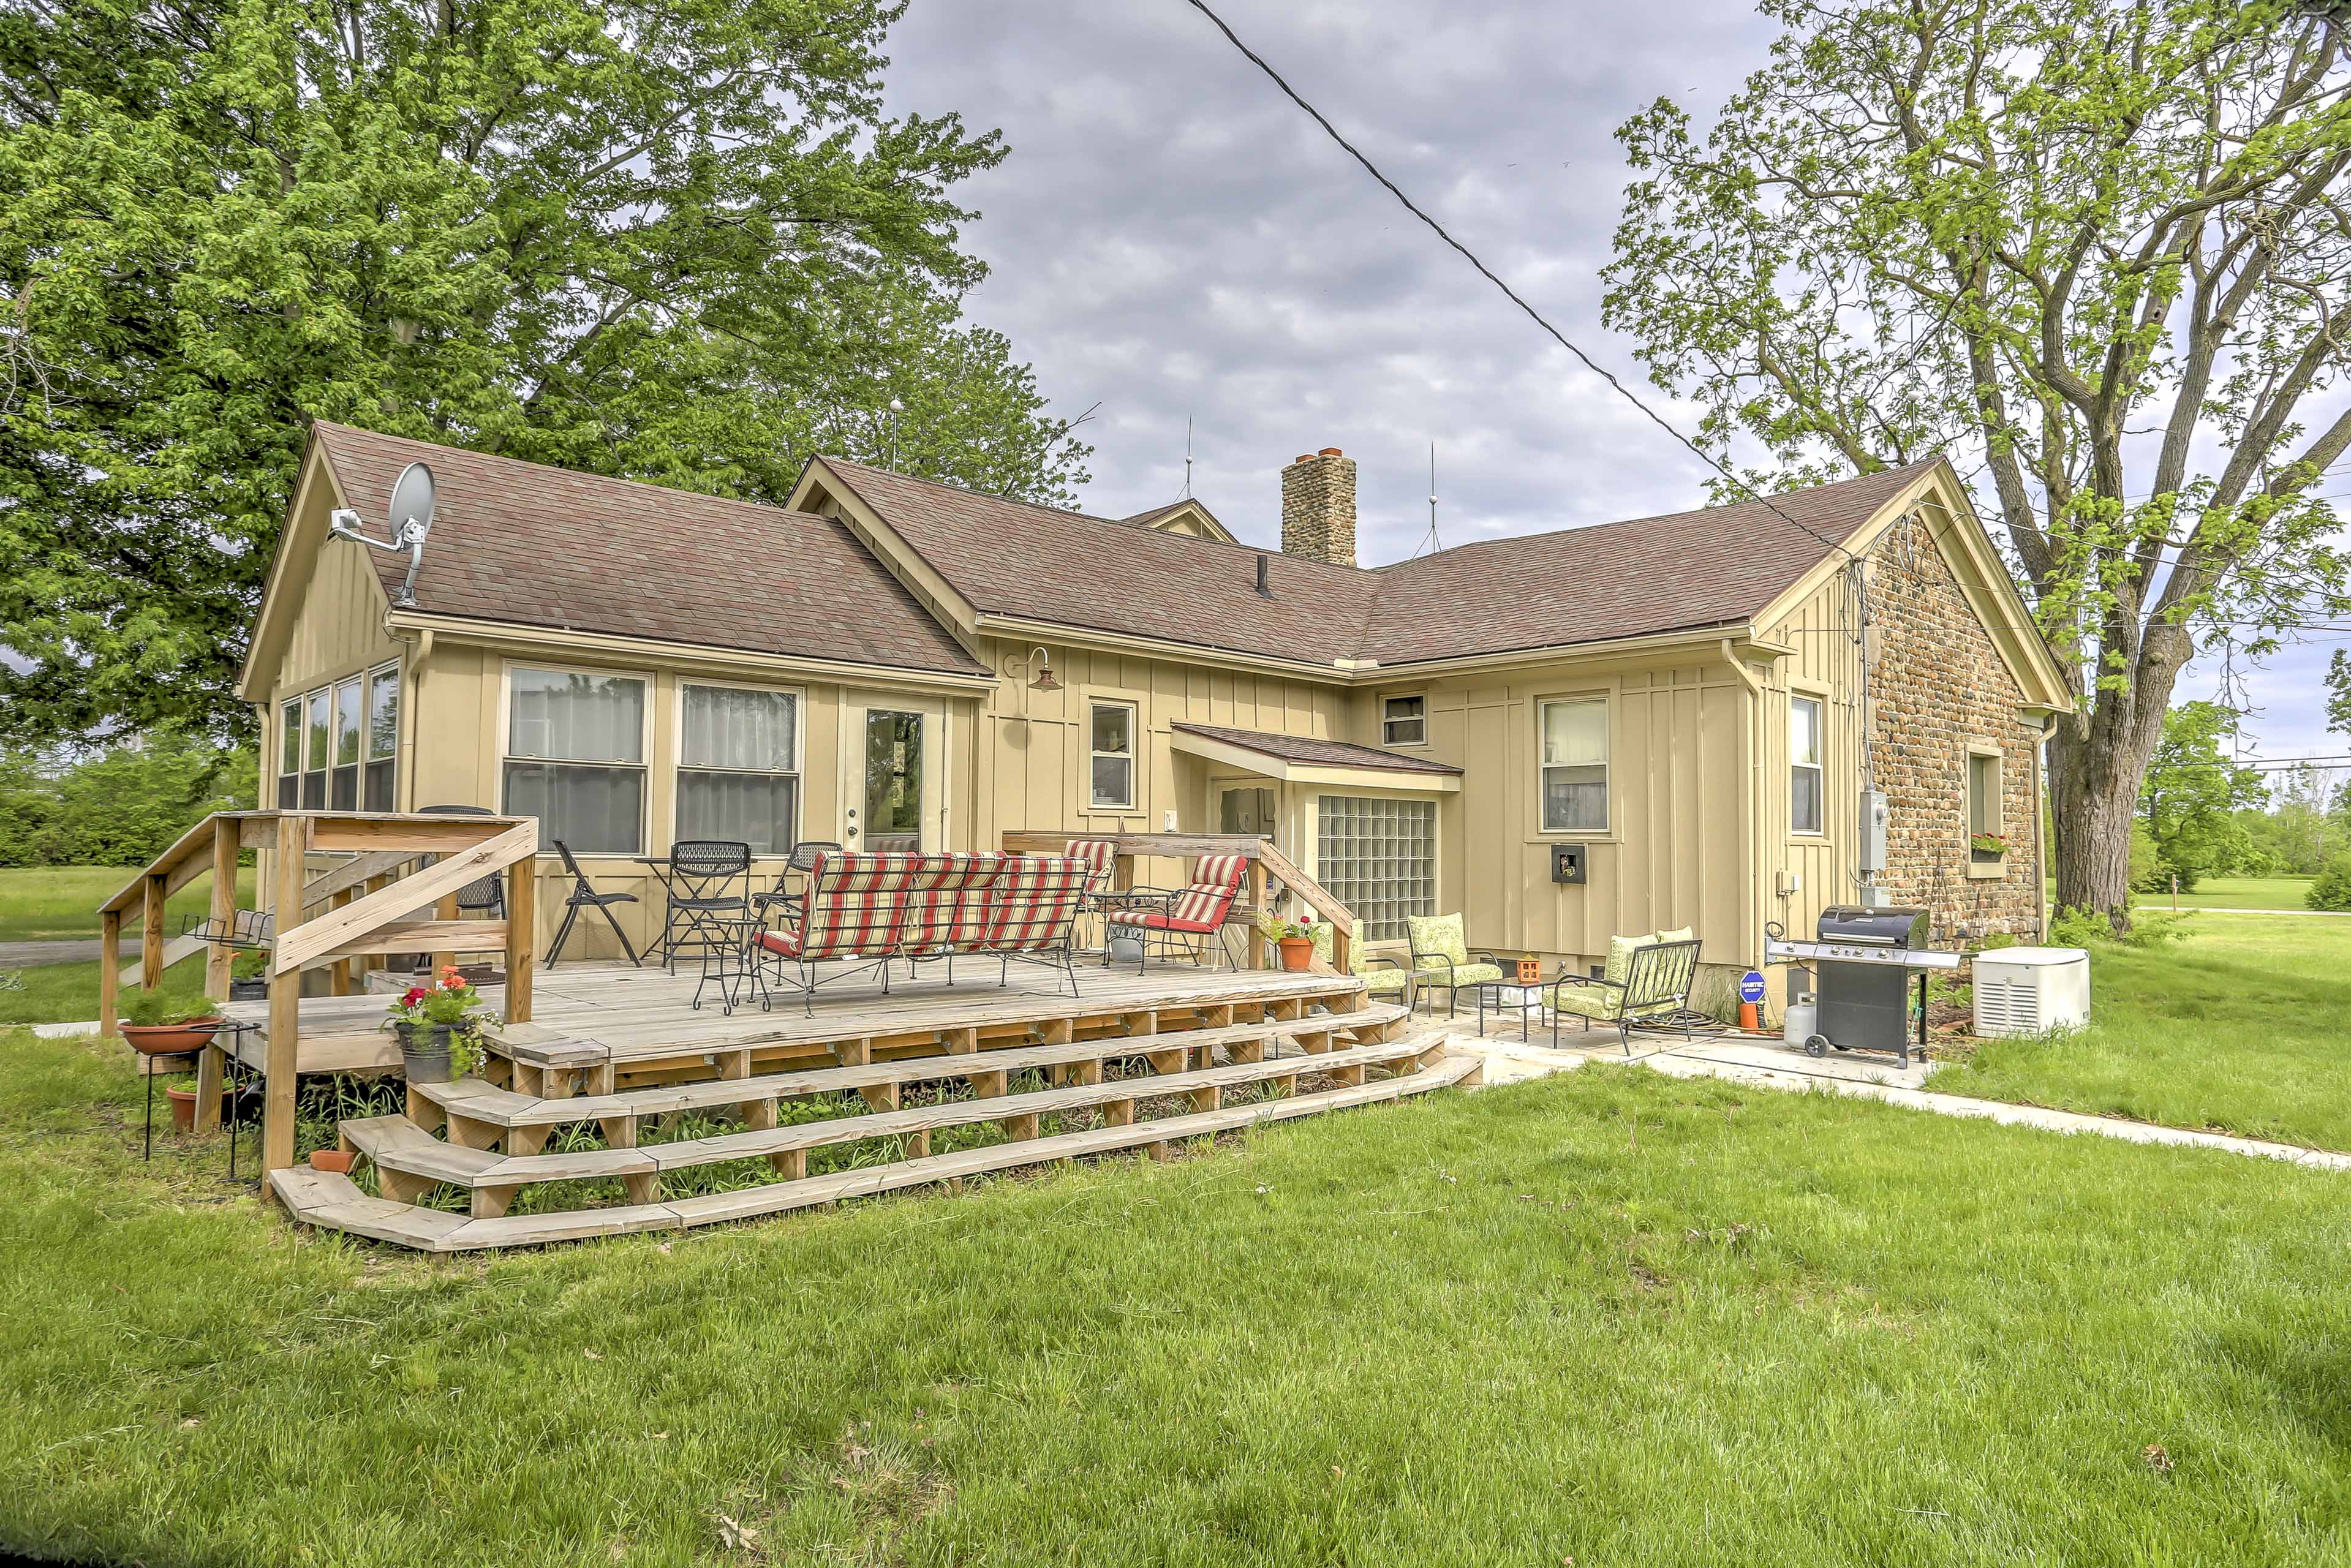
(738, 752)
(1574, 737)
(575, 758)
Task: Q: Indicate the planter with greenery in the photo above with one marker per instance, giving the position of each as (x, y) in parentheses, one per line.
(1294, 937)
(157, 1025)
(1987, 846)
(439, 1029)
(248, 976)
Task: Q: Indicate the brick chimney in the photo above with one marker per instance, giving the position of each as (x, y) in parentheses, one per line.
(1318, 507)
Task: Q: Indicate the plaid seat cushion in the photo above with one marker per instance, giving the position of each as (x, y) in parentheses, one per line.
(856, 904)
(787, 943)
(1032, 902)
(946, 905)
(1221, 871)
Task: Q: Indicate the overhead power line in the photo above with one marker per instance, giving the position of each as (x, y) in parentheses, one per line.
(1490, 274)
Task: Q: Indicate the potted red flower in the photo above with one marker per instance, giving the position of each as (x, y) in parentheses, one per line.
(155, 1025)
(439, 1031)
(1294, 937)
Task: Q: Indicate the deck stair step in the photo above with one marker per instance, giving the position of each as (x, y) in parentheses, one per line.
(333, 1202)
(397, 1144)
(487, 1106)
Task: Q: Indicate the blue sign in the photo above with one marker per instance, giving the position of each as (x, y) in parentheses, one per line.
(1751, 987)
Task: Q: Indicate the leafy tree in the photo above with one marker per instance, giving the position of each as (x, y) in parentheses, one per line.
(2338, 692)
(122, 805)
(2302, 828)
(2097, 250)
(678, 242)
(2332, 887)
(2192, 794)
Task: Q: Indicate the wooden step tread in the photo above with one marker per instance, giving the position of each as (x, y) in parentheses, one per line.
(479, 1102)
(334, 1203)
(403, 1146)
(594, 1039)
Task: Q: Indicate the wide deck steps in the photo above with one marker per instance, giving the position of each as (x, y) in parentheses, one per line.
(334, 1202)
(479, 1114)
(398, 1145)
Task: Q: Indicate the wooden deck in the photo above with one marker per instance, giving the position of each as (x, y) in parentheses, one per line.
(643, 1022)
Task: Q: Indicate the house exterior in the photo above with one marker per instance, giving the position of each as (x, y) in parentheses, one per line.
(1656, 722)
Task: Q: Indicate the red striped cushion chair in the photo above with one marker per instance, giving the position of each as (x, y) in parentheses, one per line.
(947, 902)
(1199, 908)
(1033, 901)
(1101, 854)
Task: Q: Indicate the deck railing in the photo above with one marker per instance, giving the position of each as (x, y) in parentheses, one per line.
(1273, 877)
(349, 911)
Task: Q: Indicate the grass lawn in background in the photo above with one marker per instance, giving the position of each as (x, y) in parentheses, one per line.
(2236, 892)
(68, 993)
(1609, 1318)
(46, 904)
(2242, 1026)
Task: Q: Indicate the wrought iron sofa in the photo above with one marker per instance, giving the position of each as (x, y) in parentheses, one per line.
(1645, 983)
(871, 909)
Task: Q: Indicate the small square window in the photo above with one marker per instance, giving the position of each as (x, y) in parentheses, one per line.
(1403, 721)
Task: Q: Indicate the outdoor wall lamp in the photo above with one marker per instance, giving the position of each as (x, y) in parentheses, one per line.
(1041, 663)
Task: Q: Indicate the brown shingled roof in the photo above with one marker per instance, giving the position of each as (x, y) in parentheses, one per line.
(532, 545)
(1310, 752)
(1010, 557)
(1717, 566)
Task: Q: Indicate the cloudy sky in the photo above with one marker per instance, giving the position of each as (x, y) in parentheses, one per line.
(1173, 240)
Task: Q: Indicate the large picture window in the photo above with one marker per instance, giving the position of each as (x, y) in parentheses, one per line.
(576, 757)
(289, 754)
(738, 767)
(1111, 757)
(1806, 789)
(316, 744)
(382, 737)
(1378, 857)
(1574, 737)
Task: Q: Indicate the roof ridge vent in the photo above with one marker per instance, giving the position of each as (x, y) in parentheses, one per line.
(1265, 574)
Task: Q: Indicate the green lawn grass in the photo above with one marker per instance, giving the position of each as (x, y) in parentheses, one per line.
(1608, 1318)
(2243, 1026)
(2236, 892)
(44, 904)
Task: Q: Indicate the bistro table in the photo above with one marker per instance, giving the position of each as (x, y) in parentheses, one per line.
(1529, 1004)
(681, 919)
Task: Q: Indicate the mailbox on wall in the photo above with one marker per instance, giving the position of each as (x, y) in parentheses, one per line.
(1567, 863)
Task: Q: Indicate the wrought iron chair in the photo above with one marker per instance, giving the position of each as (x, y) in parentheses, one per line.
(702, 898)
(782, 899)
(1653, 992)
(1190, 920)
(585, 896)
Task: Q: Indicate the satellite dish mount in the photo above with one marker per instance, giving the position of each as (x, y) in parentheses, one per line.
(411, 519)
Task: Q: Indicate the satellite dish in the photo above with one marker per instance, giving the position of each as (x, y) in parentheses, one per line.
(412, 502)
(411, 516)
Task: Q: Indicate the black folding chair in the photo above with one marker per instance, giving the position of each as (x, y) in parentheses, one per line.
(702, 895)
(585, 896)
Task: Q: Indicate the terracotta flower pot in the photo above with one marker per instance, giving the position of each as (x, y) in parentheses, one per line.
(184, 1109)
(336, 1162)
(169, 1039)
(1297, 954)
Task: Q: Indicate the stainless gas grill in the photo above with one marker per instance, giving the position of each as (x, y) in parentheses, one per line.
(1864, 959)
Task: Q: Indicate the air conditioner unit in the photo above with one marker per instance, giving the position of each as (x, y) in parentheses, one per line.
(2025, 990)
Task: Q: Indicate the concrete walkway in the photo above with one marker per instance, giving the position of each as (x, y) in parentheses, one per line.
(1767, 1064)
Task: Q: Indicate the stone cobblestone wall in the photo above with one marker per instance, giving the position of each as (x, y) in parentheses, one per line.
(1937, 684)
(1318, 507)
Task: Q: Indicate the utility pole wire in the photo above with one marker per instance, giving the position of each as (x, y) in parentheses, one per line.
(1511, 294)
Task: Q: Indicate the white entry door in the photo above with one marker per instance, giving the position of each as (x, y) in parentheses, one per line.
(894, 763)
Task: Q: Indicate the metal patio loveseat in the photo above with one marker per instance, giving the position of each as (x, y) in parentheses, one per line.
(873, 909)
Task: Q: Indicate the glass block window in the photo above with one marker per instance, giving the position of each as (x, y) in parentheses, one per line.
(1378, 858)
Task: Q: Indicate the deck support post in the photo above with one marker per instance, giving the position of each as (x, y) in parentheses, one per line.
(150, 935)
(224, 917)
(522, 928)
(280, 1064)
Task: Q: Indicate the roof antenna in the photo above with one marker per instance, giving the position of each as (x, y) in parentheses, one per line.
(897, 408)
(411, 516)
(1187, 456)
(1434, 544)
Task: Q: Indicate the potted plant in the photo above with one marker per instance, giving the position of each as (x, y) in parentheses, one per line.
(1990, 846)
(157, 1025)
(1294, 937)
(438, 1028)
(183, 1097)
(248, 976)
